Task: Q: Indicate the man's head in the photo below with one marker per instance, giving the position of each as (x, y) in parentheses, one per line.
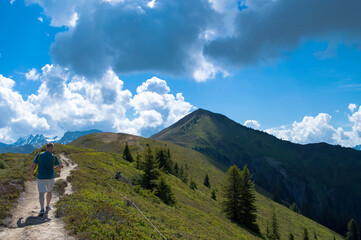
(50, 147)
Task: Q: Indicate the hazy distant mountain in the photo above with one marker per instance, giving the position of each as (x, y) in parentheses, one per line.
(29, 143)
(2, 145)
(18, 149)
(324, 180)
(358, 148)
(71, 136)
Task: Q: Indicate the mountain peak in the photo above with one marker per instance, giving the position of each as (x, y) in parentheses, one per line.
(37, 140)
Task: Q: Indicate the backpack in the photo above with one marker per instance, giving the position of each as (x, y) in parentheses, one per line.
(37, 163)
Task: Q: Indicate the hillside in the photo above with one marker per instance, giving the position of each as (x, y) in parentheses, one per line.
(322, 179)
(96, 211)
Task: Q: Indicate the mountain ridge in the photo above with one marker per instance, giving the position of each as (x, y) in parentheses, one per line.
(31, 142)
(315, 176)
(195, 211)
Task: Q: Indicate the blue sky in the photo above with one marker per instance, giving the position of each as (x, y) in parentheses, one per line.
(139, 66)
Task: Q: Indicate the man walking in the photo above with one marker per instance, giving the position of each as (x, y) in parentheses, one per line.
(46, 162)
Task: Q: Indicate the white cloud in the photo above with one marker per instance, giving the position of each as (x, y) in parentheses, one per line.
(66, 102)
(12, 1)
(17, 115)
(252, 124)
(352, 107)
(318, 129)
(151, 4)
(40, 19)
(32, 75)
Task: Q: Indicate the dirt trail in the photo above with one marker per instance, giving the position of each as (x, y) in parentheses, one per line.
(25, 223)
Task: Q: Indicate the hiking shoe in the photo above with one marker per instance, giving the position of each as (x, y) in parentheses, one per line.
(41, 213)
(48, 208)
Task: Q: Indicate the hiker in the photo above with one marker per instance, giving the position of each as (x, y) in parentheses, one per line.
(46, 162)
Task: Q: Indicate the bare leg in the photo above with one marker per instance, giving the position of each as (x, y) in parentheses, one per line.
(48, 198)
(41, 199)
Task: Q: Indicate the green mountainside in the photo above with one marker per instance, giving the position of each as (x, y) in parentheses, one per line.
(13, 172)
(323, 180)
(97, 209)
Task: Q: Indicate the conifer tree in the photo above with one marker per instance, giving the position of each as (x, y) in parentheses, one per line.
(291, 237)
(274, 234)
(176, 170)
(305, 234)
(150, 170)
(193, 185)
(126, 154)
(164, 192)
(268, 231)
(295, 208)
(232, 194)
(164, 161)
(352, 231)
(214, 197)
(138, 161)
(206, 181)
(248, 208)
(183, 175)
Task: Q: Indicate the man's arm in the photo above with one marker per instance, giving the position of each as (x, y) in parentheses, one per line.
(32, 167)
(58, 164)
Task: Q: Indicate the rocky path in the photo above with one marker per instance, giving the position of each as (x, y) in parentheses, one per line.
(25, 223)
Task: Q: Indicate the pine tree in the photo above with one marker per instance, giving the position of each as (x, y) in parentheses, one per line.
(247, 201)
(164, 161)
(206, 181)
(126, 154)
(183, 175)
(295, 208)
(193, 185)
(214, 197)
(232, 194)
(274, 234)
(291, 237)
(268, 231)
(176, 170)
(150, 171)
(305, 234)
(352, 231)
(164, 192)
(138, 161)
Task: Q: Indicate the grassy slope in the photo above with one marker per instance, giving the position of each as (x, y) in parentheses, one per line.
(95, 211)
(331, 171)
(12, 179)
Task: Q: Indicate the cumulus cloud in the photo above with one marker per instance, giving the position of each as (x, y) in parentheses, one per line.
(135, 36)
(68, 102)
(194, 38)
(352, 107)
(318, 129)
(131, 37)
(17, 115)
(266, 29)
(252, 124)
(32, 75)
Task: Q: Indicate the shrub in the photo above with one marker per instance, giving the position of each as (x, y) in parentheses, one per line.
(3, 164)
(59, 186)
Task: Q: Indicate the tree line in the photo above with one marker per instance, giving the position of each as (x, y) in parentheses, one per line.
(238, 191)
